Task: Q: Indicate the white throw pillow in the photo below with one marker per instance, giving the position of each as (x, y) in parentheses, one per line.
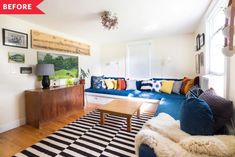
(131, 85)
(156, 86)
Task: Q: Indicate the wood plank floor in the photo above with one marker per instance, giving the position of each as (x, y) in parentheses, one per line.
(15, 140)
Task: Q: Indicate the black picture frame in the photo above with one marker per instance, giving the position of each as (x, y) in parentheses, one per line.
(26, 70)
(202, 40)
(198, 42)
(14, 39)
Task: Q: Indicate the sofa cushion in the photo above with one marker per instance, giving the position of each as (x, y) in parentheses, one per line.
(130, 84)
(121, 84)
(146, 85)
(171, 106)
(96, 82)
(196, 117)
(167, 86)
(156, 86)
(194, 92)
(222, 109)
(146, 151)
(176, 87)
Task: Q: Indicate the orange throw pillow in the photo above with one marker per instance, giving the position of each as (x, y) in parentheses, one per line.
(121, 84)
(188, 85)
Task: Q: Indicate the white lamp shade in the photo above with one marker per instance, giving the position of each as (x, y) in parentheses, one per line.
(45, 69)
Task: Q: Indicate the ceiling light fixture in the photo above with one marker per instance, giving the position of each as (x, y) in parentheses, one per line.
(109, 20)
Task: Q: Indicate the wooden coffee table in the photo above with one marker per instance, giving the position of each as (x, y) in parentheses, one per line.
(122, 108)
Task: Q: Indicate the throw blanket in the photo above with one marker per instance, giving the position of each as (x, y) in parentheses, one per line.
(163, 134)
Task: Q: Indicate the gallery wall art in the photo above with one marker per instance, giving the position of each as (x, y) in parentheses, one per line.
(66, 66)
(14, 57)
(14, 38)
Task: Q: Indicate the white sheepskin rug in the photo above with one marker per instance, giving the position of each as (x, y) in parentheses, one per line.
(163, 134)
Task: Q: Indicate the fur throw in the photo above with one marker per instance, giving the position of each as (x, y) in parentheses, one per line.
(163, 134)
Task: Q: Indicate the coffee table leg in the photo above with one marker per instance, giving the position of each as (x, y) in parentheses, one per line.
(129, 124)
(138, 113)
(101, 118)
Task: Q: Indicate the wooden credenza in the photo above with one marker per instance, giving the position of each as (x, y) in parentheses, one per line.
(43, 105)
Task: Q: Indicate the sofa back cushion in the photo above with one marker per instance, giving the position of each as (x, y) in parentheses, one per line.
(96, 82)
(222, 109)
(146, 85)
(196, 117)
(167, 86)
(176, 87)
(121, 84)
(130, 84)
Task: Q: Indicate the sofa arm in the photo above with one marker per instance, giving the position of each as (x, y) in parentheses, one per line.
(146, 151)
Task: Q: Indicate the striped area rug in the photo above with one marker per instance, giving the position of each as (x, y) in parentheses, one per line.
(86, 137)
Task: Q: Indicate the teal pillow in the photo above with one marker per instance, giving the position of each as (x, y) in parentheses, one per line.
(196, 117)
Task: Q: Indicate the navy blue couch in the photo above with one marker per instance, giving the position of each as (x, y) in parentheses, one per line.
(170, 104)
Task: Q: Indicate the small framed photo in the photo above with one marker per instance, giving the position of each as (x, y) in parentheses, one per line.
(198, 42)
(202, 40)
(26, 70)
(14, 57)
(14, 39)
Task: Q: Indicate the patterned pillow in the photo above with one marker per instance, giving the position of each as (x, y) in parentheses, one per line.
(96, 82)
(146, 85)
(156, 86)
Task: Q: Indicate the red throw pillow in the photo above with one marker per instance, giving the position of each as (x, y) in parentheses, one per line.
(121, 84)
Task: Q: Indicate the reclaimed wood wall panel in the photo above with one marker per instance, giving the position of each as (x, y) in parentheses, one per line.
(46, 41)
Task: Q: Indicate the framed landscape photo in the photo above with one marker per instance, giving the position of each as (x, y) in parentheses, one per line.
(14, 39)
(14, 57)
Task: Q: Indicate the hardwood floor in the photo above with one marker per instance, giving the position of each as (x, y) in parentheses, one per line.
(15, 140)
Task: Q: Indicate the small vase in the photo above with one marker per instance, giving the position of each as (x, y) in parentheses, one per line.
(82, 81)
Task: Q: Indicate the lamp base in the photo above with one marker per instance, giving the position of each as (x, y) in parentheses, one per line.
(45, 82)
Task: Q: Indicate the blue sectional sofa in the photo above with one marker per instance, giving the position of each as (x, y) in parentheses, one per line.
(169, 103)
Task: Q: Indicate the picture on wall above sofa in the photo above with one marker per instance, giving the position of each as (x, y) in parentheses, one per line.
(66, 66)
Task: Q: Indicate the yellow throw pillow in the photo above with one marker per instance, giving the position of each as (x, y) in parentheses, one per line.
(167, 86)
(115, 84)
(109, 83)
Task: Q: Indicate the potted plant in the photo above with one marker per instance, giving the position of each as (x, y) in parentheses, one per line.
(84, 75)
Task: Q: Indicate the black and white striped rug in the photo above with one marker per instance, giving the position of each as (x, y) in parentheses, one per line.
(86, 137)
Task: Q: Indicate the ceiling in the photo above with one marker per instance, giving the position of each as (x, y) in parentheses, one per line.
(138, 19)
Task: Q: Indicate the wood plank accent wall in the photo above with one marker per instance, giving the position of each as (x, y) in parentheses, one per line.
(44, 41)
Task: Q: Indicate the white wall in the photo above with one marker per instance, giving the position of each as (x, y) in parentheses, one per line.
(177, 53)
(13, 84)
(231, 61)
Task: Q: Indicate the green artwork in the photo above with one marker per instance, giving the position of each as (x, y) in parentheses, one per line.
(14, 57)
(66, 66)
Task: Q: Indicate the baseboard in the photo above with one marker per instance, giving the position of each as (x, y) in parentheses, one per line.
(12, 125)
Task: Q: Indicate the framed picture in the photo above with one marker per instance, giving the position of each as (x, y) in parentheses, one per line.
(14, 57)
(197, 61)
(198, 42)
(14, 39)
(26, 70)
(202, 40)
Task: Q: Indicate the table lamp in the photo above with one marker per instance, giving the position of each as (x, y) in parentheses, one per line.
(45, 70)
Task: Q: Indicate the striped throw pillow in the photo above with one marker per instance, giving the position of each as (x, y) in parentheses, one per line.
(146, 85)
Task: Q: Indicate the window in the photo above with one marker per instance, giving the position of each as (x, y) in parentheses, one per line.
(138, 60)
(216, 60)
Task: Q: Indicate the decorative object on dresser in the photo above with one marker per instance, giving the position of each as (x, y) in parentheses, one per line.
(14, 39)
(83, 75)
(44, 41)
(48, 104)
(45, 70)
